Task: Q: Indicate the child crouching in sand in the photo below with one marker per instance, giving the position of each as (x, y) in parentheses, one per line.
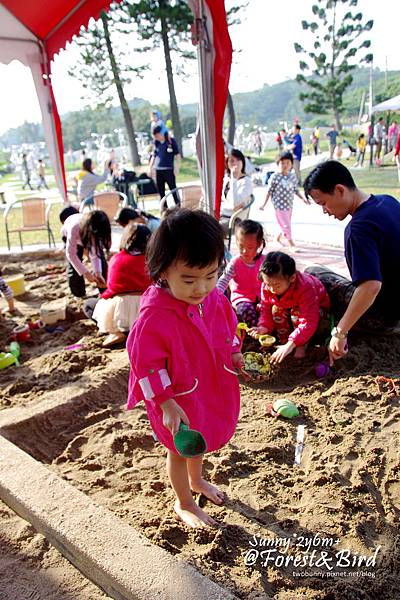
(183, 351)
(292, 304)
(127, 279)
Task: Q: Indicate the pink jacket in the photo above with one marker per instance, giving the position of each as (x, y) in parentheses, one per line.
(307, 295)
(175, 352)
(242, 279)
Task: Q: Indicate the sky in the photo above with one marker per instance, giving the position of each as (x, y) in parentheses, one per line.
(264, 54)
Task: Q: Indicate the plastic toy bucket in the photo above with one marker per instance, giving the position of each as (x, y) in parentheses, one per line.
(22, 333)
(16, 283)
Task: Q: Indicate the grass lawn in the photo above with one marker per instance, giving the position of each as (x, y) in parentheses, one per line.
(373, 180)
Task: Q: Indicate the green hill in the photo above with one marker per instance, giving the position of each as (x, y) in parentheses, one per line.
(264, 107)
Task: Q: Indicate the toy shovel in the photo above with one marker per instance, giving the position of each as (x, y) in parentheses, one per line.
(189, 442)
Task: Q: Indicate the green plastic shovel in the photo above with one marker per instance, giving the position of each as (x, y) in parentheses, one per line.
(189, 442)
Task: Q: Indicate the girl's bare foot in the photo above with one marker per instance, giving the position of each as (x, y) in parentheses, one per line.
(279, 239)
(208, 490)
(193, 515)
(113, 339)
(300, 352)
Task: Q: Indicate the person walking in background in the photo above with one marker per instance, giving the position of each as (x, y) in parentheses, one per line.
(316, 135)
(378, 136)
(41, 171)
(282, 187)
(397, 154)
(297, 149)
(393, 132)
(333, 136)
(26, 172)
(361, 146)
(87, 181)
(165, 151)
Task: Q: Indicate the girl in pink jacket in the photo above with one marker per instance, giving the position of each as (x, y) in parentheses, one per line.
(241, 273)
(183, 351)
(292, 304)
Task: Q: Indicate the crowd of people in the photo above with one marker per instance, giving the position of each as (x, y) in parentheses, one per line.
(173, 296)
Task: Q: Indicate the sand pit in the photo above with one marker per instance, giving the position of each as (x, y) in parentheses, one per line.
(345, 495)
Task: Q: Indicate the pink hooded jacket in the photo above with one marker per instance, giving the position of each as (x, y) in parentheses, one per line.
(307, 295)
(179, 351)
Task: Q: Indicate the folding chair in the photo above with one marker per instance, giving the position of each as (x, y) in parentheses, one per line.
(239, 215)
(110, 203)
(35, 217)
(190, 196)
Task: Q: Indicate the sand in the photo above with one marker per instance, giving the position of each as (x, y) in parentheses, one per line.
(344, 496)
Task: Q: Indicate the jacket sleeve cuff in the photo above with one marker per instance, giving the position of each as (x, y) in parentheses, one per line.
(156, 386)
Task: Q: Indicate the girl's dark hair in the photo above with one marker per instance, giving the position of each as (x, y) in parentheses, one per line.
(87, 165)
(285, 156)
(278, 263)
(95, 230)
(250, 227)
(190, 236)
(67, 212)
(127, 214)
(240, 156)
(135, 237)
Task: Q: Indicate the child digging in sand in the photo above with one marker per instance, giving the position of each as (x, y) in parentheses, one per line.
(183, 351)
(241, 273)
(292, 304)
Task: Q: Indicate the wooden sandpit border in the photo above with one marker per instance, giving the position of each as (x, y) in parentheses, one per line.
(109, 552)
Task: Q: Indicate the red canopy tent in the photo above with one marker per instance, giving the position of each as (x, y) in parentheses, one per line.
(33, 32)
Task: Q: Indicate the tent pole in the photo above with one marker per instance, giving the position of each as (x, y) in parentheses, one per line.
(202, 48)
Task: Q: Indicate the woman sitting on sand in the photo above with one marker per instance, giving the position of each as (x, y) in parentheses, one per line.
(292, 304)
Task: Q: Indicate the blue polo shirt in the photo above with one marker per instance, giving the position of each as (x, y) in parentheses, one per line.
(372, 250)
(298, 146)
(164, 153)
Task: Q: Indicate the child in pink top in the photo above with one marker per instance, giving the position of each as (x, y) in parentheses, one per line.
(183, 351)
(292, 304)
(241, 273)
(90, 232)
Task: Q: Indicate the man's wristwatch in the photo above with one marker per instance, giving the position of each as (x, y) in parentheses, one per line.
(339, 333)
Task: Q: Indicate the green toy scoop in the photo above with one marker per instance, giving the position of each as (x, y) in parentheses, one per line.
(189, 442)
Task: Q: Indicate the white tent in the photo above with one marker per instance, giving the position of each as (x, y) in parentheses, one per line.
(391, 104)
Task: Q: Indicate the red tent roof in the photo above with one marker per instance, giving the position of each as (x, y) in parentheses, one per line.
(55, 21)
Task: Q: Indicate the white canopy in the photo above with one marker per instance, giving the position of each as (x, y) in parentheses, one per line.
(391, 104)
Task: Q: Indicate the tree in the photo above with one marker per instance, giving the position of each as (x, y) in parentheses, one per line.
(232, 119)
(336, 44)
(99, 71)
(166, 23)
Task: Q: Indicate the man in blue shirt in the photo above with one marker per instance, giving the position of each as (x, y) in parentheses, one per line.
(163, 162)
(297, 150)
(372, 252)
(333, 135)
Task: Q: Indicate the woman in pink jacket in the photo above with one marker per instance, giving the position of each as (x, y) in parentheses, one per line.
(292, 304)
(184, 351)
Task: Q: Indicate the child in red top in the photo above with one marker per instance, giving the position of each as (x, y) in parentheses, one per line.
(127, 279)
(292, 304)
